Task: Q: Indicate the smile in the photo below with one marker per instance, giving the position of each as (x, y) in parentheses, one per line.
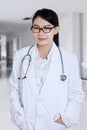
(41, 39)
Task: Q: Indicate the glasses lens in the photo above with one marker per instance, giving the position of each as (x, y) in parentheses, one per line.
(35, 29)
(46, 29)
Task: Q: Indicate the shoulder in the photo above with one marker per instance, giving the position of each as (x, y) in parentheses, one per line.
(19, 54)
(22, 51)
(64, 53)
(70, 59)
(68, 55)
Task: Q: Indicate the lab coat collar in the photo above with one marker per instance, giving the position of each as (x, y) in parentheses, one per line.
(48, 56)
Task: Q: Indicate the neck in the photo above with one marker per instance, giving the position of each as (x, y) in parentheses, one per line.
(44, 50)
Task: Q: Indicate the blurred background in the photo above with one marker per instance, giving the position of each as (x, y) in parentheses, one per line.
(15, 33)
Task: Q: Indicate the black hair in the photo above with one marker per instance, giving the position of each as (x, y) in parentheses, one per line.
(50, 16)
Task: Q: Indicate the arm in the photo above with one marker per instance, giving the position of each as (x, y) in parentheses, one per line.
(17, 113)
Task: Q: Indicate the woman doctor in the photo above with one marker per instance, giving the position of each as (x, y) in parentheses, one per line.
(45, 87)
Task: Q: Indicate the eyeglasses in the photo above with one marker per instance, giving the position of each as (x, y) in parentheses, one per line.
(45, 29)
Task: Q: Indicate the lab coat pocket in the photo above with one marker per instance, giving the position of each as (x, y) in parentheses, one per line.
(58, 126)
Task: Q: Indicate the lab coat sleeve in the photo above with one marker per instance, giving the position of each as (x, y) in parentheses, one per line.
(17, 114)
(75, 96)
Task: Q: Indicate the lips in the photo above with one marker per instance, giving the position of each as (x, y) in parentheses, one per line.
(41, 39)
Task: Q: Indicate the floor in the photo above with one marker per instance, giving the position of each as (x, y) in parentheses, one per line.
(5, 121)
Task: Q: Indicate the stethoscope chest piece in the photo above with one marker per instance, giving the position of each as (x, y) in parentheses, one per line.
(63, 77)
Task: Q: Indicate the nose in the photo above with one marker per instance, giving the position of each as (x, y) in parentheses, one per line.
(41, 32)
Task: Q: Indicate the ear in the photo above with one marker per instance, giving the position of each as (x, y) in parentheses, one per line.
(57, 29)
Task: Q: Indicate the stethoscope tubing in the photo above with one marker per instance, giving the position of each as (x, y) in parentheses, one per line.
(61, 60)
(63, 77)
(28, 64)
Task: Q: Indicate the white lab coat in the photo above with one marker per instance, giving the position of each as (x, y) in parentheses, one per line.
(33, 111)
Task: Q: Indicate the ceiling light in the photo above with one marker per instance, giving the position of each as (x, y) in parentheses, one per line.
(27, 18)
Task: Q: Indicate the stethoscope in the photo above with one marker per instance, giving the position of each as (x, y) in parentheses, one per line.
(63, 77)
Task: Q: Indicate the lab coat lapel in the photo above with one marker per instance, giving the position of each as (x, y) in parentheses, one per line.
(55, 69)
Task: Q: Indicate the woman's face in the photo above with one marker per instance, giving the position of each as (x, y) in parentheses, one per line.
(46, 37)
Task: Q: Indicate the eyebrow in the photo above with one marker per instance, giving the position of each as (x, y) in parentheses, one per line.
(43, 26)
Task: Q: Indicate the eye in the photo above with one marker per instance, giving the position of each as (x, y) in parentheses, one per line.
(35, 29)
(45, 28)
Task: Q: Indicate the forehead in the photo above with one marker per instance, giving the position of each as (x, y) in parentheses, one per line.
(40, 22)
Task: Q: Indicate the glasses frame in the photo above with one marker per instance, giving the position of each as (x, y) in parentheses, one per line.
(42, 29)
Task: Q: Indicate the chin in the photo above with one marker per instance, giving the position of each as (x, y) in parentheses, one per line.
(42, 43)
